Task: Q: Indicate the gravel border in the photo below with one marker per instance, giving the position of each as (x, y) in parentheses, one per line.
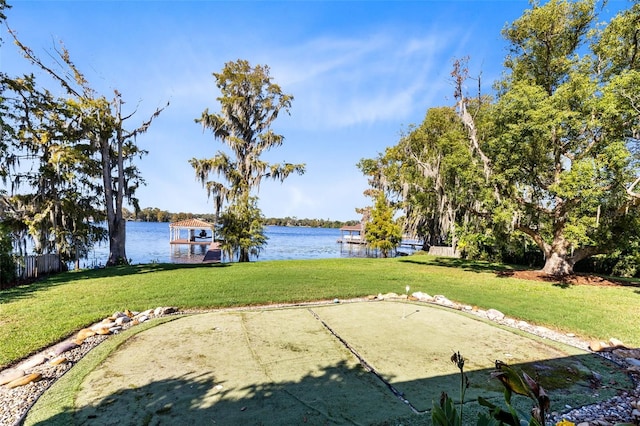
(625, 407)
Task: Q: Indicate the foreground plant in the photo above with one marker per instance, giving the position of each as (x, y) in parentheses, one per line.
(445, 413)
(521, 384)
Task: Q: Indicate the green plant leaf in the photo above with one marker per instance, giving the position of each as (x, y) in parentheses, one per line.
(511, 380)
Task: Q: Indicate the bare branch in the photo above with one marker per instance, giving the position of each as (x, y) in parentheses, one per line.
(460, 75)
(28, 53)
(630, 191)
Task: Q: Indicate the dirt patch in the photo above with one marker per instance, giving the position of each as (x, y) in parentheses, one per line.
(575, 279)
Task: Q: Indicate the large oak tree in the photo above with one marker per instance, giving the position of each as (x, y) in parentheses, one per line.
(559, 146)
(554, 156)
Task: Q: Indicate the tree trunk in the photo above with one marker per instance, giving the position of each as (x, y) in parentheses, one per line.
(115, 221)
(558, 264)
(244, 255)
(117, 241)
(558, 261)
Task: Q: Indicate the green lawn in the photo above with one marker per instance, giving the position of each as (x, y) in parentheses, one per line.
(35, 316)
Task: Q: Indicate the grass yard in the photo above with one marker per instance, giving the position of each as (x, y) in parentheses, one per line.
(35, 316)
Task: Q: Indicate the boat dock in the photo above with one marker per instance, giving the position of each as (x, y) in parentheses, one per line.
(191, 242)
(355, 235)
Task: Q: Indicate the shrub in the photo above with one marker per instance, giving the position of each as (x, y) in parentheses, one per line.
(7, 262)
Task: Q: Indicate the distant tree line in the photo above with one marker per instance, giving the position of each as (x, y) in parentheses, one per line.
(154, 214)
(313, 223)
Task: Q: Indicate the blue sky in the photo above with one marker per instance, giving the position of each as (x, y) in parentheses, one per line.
(360, 72)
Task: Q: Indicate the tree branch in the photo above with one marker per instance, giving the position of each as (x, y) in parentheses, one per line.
(536, 237)
(28, 53)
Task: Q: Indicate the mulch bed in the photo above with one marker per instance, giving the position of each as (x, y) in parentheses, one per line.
(575, 279)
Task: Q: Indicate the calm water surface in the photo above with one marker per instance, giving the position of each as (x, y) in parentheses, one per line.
(148, 242)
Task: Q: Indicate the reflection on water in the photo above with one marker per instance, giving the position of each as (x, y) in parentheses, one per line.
(193, 253)
(148, 242)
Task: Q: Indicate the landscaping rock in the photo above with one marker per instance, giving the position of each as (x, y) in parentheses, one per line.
(83, 334)
(627, 353)
(122, 320)
(10, 376)
(509, 321)
(59, 360)
(102, 326)
(633, 361)
(33, 362)
(615, 343)
(543, 330)
(25, 380)
(141, 318)
(597, 346)
(103, 330)
(387, 296)
(146, 313)
(423, 297)
(441, 300)
(62, 348)
(169, 310)
(495, 315)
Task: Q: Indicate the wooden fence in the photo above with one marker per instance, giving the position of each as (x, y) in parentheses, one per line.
(35, 266)
(444, 251)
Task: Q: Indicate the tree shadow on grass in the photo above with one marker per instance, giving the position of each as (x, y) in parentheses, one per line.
(339, 394)
(452, 262)
(516, 271)
(26, 290)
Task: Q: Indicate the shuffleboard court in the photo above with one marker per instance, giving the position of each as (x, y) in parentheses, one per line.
(347, 363)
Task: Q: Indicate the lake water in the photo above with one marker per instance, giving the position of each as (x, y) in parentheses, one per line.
(148, 242)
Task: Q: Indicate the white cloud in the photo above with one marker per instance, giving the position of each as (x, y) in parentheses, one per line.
(344, 82)
(334, 197)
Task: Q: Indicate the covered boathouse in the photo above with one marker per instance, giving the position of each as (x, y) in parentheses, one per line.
(195, 232)
(352, 234)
